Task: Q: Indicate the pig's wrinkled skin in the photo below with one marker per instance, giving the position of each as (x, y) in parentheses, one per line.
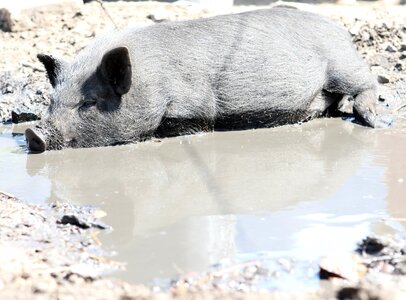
(255, 69)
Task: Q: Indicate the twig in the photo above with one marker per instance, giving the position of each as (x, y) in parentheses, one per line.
(400, 107)
(385, 258)
(106, 12)
(10, 196)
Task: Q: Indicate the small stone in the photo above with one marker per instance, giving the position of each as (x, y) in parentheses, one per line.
(390, 48)
(5, 20)
(73, 220)
(19, 116)
(365, 36)
(399, 66)
(8, 89)
(402, 56)
(354, 30)
(370, 246)
(342, 266)
(402, 47)
(383, 79)
(354, 293)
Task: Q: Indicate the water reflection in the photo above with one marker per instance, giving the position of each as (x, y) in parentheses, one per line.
(185, 203)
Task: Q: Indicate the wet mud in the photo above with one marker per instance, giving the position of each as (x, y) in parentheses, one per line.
(203, 214)
(245, 214)
(45, 256)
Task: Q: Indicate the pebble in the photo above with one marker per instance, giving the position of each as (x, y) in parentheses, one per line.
(399, 66)
(390, 48)
(383, 79)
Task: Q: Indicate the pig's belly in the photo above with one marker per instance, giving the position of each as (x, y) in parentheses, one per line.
(260, 119)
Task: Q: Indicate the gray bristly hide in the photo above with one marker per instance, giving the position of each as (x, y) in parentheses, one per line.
(256, 69)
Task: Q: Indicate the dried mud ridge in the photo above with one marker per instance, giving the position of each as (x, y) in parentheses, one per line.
(52, 252)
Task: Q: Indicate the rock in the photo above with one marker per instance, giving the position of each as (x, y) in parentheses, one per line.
(382, 74)
(389, 48)
(402, 56)
(355, 293)
(342, 266)
(399, 66)
(19, 116)
(383, 79)
(370, 246)
(365, 36)
(383, 255)
(73, 220)
(84, 219)
(355, 30)
(5, 20)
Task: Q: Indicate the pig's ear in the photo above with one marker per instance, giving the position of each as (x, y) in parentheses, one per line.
(52, 65)
(115, 69)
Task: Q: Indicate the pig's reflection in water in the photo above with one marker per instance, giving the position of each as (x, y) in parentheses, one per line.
(153, 186)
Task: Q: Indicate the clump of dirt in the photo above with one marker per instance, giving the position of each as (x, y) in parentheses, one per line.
(383, 255)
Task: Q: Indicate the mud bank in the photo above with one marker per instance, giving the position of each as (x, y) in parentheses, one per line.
(52, 252)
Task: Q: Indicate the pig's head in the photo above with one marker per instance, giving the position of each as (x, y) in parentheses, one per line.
(86, 103)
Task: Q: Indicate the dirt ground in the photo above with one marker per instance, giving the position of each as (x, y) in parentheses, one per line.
(52, 251)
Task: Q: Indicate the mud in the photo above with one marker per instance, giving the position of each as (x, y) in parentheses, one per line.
(197, 215)
(43, 257)
(222, 215)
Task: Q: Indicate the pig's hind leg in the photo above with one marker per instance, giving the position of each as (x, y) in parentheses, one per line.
(351, 77)
(321, 103)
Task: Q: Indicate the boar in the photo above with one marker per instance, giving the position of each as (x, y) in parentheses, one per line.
(255, 69)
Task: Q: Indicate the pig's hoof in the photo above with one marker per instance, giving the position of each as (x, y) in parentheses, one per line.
(383, 121)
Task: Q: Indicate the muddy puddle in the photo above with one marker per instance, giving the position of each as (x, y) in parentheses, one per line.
(183, 204)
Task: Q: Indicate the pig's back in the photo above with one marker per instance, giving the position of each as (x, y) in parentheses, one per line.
(255, 61)
(272, 60)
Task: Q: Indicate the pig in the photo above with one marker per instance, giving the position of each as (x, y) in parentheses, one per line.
(255, 69)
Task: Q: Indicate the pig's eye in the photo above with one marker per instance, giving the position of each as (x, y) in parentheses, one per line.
(87, 103)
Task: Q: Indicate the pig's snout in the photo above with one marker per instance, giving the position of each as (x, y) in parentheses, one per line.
(35, 140)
